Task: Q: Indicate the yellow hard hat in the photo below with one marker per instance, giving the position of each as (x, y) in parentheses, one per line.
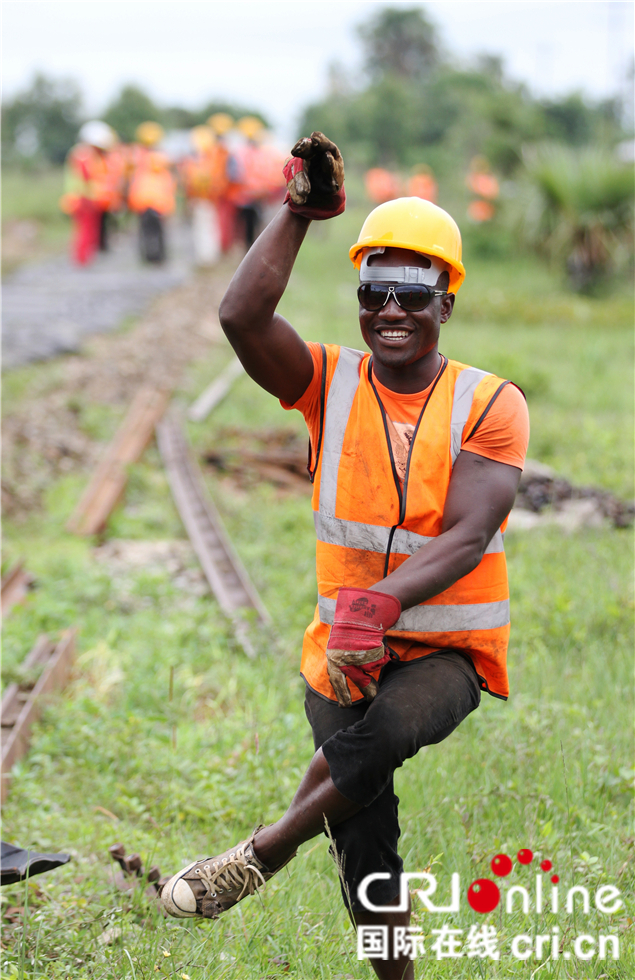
(202, 138)
(220, 123)
(149, 133)
(411, 222)
(250, 126)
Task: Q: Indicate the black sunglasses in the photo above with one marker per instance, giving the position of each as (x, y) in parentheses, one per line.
(373, 296)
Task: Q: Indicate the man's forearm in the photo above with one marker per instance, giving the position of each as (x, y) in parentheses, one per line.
(261, 278)
(434, 568)
(270, 350)
(480, 497)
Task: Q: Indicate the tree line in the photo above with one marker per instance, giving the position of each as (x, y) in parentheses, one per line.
(414, 104)
(40, 124)
(570, 187)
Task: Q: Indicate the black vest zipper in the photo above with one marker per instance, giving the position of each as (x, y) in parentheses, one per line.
(403, 494)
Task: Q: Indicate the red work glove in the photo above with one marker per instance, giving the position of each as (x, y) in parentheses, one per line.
(315, 178)
(356, 643)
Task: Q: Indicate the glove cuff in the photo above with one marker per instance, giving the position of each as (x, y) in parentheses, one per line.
(337, 205)
(362, 616)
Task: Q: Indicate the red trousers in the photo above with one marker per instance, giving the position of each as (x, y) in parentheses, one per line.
(87, 219)
(227, 220)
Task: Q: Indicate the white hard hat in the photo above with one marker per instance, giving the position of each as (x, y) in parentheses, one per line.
(98, 133)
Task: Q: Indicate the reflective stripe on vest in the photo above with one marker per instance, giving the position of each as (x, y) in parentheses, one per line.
(466, 384)
(374, 537)
(438, 619)
(338, 408)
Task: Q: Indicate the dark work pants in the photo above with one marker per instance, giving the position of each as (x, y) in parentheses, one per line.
(151, 236)
(419, 703)
(250, 217)
(104, 228)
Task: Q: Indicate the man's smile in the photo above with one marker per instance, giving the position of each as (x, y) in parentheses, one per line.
(393, 334)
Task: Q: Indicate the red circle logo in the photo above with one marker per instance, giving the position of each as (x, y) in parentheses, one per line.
(546, 865)
(525, 856)
(501, 865)
(483, 895)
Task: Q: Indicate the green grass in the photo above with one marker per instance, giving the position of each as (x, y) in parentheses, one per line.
(34, 197)
(550, 770)
(32, 194)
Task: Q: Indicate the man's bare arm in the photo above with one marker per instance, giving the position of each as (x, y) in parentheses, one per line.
(272, 353)
(480, 496)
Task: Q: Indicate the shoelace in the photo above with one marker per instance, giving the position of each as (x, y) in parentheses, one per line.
(232, 875)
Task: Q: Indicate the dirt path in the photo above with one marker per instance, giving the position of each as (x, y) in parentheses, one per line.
(50, 306)
(46, 433)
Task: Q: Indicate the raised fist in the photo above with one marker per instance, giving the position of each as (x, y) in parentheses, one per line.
(315, 178)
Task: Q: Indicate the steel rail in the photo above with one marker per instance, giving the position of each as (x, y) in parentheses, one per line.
(15, 587)
(110, 477)
(224, 571)
(215, 392)
(22, 703)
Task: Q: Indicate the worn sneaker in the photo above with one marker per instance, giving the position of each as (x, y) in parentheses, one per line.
(214, 885)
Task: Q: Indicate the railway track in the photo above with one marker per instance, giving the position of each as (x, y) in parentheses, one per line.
(22, 703)
(15, 587)
(215, 392)
(109, 479)
(225, 573)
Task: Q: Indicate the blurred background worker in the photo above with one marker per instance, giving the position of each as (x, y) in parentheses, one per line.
(93, 183)
(272, 161)
(482, 182)
(255, 177)
(382, 185)
(422, 183)
(152, 191)
(221, 124)
(197, 173)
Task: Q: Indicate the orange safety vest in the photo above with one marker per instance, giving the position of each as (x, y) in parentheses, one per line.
(195, 177)
(93, 175)
(367, 525)
(217, 157)
(424, 186)
(382, 185)
(485, 185)
(205, 174)
(251, 183)
(152, 185)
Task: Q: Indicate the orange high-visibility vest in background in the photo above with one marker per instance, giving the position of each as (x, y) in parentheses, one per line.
(382, 185)
(94, 175)
(424, 186)
(252, 183)
(216, 158)
(152, 185)
(205, 174)
(367, 524)
(195, 177)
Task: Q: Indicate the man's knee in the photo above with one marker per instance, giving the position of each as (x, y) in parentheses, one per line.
(367, 844)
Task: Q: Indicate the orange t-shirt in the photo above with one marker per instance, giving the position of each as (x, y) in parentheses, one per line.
(502, 436)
